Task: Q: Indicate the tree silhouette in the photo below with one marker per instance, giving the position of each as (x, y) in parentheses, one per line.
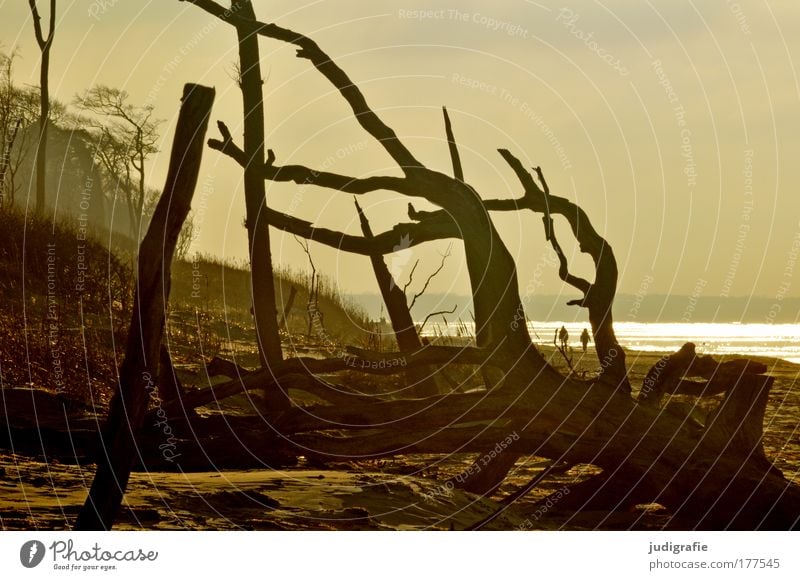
(710, 472)
(45, 44)
(126, 137)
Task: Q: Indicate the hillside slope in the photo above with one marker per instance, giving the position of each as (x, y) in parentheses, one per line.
(67, 303)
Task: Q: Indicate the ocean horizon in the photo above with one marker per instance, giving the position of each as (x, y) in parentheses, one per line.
(781, 341)
(649, 308)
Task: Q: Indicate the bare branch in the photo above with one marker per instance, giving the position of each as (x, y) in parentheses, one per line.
(598, 297)
(532, 189)
(542, 180)
(309, 49)
(432, 314)
(417, 215)
(304, 244)
(227, 146)
(52, 27)
(431, 277)
(306, 176)
(37, 24)
(410, 278)
(405, 234)
(534, 199)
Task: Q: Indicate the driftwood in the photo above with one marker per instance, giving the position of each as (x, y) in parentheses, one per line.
(353, 359)
(711, 473)
(710, 470)
(598, 296)
(670, 375)
(139, 369)
(290, 376)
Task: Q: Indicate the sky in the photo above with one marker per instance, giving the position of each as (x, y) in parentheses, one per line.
(674, 123)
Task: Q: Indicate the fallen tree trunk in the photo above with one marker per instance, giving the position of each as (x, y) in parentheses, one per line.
(292, 378)
(647, 455)
(353, 359)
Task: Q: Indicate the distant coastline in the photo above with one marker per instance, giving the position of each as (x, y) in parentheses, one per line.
(627, 308)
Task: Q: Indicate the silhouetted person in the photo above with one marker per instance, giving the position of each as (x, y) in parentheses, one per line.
(563, 335)
(584, 339)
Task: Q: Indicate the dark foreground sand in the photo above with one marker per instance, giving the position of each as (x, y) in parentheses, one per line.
(406, 493)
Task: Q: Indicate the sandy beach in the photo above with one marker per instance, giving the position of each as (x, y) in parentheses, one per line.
(409, 492)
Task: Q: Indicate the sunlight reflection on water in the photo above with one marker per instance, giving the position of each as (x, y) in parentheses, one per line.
(772, 340)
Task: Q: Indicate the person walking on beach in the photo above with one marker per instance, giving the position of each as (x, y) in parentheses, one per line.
(563, 335)
(584, 339)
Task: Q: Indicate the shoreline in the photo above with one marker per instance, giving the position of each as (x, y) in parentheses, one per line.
(747, 340)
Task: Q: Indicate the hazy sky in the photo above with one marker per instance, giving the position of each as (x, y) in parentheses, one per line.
(675, 123)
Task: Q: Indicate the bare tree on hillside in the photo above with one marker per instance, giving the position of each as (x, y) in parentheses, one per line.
(126, 137)
(45, 44)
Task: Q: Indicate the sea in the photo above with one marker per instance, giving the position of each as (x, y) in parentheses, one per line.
(780, 341)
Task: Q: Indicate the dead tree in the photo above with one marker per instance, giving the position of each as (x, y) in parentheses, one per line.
(12, 116)
(713, 476)
(598, 296)
(263, 282)
(424, 384)
(314, 315)
(458, 173)
(45, 44)
(139, 370)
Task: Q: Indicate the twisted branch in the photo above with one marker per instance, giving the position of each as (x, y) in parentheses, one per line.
(309, 49)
